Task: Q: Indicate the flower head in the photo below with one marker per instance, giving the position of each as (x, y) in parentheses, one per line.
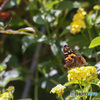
(10, 88)
(76, 26)
(59, 89)
(5, 96)
(82, 73)
(82, 11)
(96, 7)
(78, 21)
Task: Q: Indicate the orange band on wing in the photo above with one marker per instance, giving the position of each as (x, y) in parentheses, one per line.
(70, 56)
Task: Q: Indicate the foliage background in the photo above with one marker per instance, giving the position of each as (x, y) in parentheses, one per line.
(39, 58)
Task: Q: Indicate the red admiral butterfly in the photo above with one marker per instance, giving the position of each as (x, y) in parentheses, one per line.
(72, 59)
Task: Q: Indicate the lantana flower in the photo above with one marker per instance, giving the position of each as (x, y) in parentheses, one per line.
(96, 7)
(6, 95)
(82, 74)
(76, 26)
(59, 89)
(78, 21)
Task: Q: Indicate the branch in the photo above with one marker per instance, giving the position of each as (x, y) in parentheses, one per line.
(33, 66)
(4, 4)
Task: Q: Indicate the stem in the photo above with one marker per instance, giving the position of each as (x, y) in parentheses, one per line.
(47, 27)
(95, 16)
(84, 35)
(53, 81)
(62, 68)
(12, 97)
(80, 86)
(90, 91)
(28, 24)
(59, 25)
(89, 34)
(42, 3)
(81, 89)
(61, 98)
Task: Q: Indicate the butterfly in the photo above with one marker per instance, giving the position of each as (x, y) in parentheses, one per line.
(72, 59)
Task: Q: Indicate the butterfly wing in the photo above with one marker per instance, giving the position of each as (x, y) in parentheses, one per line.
(72, 59)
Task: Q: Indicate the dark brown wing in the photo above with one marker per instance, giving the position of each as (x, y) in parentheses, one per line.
(77, 61)
(72, 59)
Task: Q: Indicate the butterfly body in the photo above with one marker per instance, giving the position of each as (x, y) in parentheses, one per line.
(72, 59)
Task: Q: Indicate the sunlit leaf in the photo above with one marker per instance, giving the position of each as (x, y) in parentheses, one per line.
(50, 4)
(95, 42)
(69, 83)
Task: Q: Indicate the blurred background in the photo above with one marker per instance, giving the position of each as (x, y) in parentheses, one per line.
(32, 36)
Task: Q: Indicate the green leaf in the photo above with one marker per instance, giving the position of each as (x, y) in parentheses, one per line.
(94, 81)
(64, 32)
(45, 83)
(9, 75)
(2, 67)
(50, 4)
(77, 4)
(65, 5)
(31, 6)
(45, 66)
(13, 61)
(98, 52)
(18, 22)
(18, 2)
(28, 40)
(25, 99)
(78, 40)
(95, 42)
(69, 83)
(40, 20)
(87, 52)
(86, 88)
(13, 3)
(88, 21)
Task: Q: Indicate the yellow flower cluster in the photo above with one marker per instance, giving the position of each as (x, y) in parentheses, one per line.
(59, 89)
(6, 96)
(82, 74)
(78, 21)
(96, 7)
